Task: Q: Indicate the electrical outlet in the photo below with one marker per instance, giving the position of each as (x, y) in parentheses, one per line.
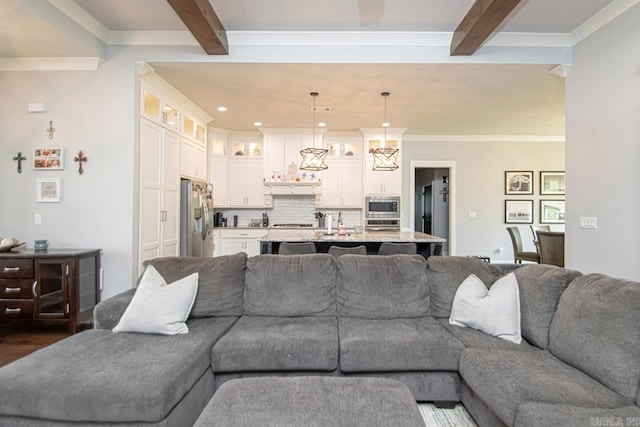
(37, 218)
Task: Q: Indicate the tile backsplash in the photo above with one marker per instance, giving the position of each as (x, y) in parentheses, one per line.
(293, 210)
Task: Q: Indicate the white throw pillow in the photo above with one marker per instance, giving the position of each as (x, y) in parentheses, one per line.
(158, 307)
(495, 311)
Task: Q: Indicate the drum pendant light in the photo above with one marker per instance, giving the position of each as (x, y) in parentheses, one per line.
(385, 158)
(313, 159)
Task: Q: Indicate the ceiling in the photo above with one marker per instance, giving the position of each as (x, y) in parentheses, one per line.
(436, 99)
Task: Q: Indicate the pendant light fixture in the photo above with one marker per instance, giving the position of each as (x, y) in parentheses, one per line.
(385, 158)
(313, 159)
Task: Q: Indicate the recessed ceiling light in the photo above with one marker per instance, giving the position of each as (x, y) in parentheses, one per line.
(322, 124)
(221, 108)
(386, 124)
(257, 123)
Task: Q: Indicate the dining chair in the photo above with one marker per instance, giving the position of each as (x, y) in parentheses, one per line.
(296, 248)
(390, 248)
(534, 230)
(518, 254)
(336, 250)
(551, 244)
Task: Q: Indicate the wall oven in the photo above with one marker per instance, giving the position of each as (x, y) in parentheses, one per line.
(382, 213)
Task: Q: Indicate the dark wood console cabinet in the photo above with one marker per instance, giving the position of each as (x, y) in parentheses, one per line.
(57, 286)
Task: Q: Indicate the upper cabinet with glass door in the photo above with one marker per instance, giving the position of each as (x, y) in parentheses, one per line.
(343, 146)
(193, 129)
(245, 147)
(159, 107)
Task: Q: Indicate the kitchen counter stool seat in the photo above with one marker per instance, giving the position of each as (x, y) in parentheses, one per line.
(336, 250)
(297, 248)
(390, 248)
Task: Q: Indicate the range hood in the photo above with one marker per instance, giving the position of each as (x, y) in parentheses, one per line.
(293, 188)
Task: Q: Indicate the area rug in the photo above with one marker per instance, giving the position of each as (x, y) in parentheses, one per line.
(436, 417)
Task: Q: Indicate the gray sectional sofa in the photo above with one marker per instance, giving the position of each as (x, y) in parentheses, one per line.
(355, 315)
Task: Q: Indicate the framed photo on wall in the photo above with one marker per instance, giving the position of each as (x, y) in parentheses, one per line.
(48, 158)
(518, 211)
(48, 190)
(518, 182)
(551, 211)
(552, 183)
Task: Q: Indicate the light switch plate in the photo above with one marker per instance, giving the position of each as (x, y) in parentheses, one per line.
(588, 222)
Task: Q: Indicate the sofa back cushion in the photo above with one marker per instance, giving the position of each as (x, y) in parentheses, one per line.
(540, 289)
(290, 285)
(446, 273)
(220, 283)
(595, 329)
(382, 287)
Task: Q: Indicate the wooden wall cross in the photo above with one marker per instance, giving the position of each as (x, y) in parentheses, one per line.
(80, 158)
(19, 158)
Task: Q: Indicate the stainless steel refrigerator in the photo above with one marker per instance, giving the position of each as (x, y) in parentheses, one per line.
(196, 219)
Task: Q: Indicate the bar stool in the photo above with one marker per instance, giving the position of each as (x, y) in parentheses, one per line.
(389, 248)
(296, 248)
(336, 251)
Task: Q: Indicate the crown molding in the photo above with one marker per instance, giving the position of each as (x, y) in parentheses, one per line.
(600, 19)
(51, 64)
(484, 138)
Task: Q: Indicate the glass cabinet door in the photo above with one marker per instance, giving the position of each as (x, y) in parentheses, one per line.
(51, 299)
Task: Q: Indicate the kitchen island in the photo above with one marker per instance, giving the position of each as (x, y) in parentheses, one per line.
(427, 244)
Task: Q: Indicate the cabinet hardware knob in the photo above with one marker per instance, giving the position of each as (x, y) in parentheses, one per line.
(11, 290)
(11, 269)
(12, 310)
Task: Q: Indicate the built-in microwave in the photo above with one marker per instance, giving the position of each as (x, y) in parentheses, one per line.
(382, 207)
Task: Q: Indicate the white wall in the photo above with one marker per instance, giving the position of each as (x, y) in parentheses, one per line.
(603, 149)
(479, 186)
(91, 111)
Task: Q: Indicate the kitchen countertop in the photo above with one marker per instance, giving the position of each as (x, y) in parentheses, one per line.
(318, 235)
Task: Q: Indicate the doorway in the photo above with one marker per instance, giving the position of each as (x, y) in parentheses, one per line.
(432, 201)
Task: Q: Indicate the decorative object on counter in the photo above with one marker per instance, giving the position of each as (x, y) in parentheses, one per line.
(313, 159)
(265, 219)
(358, 229)
(51, 130)
(292, 171)
(329, 233)
(48, 158)
(19, 158)
(80, 158)
(321, 218)
(41, 245)
(385, 158)
(48, 190)
(9, 243)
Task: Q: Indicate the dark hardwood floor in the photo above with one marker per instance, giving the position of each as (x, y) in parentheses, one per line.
(17, 341)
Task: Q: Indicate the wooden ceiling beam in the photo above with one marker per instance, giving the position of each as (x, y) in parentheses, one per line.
(204, 24)
(482, 19)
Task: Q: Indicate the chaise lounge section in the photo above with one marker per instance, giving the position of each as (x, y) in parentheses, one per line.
(352, 316)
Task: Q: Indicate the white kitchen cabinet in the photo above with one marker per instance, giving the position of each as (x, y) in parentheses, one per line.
(159, 203)
(382, 182)
(218, 179)
(159, 107)
(193, 160)
(245, 186)
(245, 147)
(241, 240)
(193, 128)
(283, 150)
(342, 184)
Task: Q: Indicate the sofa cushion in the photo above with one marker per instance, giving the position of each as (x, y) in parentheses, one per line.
(477, 339)
(292, 285)
(370, 345)
(504, 379)
(595, 329)
(382, 287)
(536, 414)
(159, 307)
(495, 312)
(220, 283)
(261, 343)
(446, 273)
(105, 377)
(540, 289)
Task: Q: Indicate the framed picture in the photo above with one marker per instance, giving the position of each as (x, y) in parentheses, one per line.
(518, 182)
(518, 211)
(48, 190)
(551, 211)
(48, 158)
(552, 183)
